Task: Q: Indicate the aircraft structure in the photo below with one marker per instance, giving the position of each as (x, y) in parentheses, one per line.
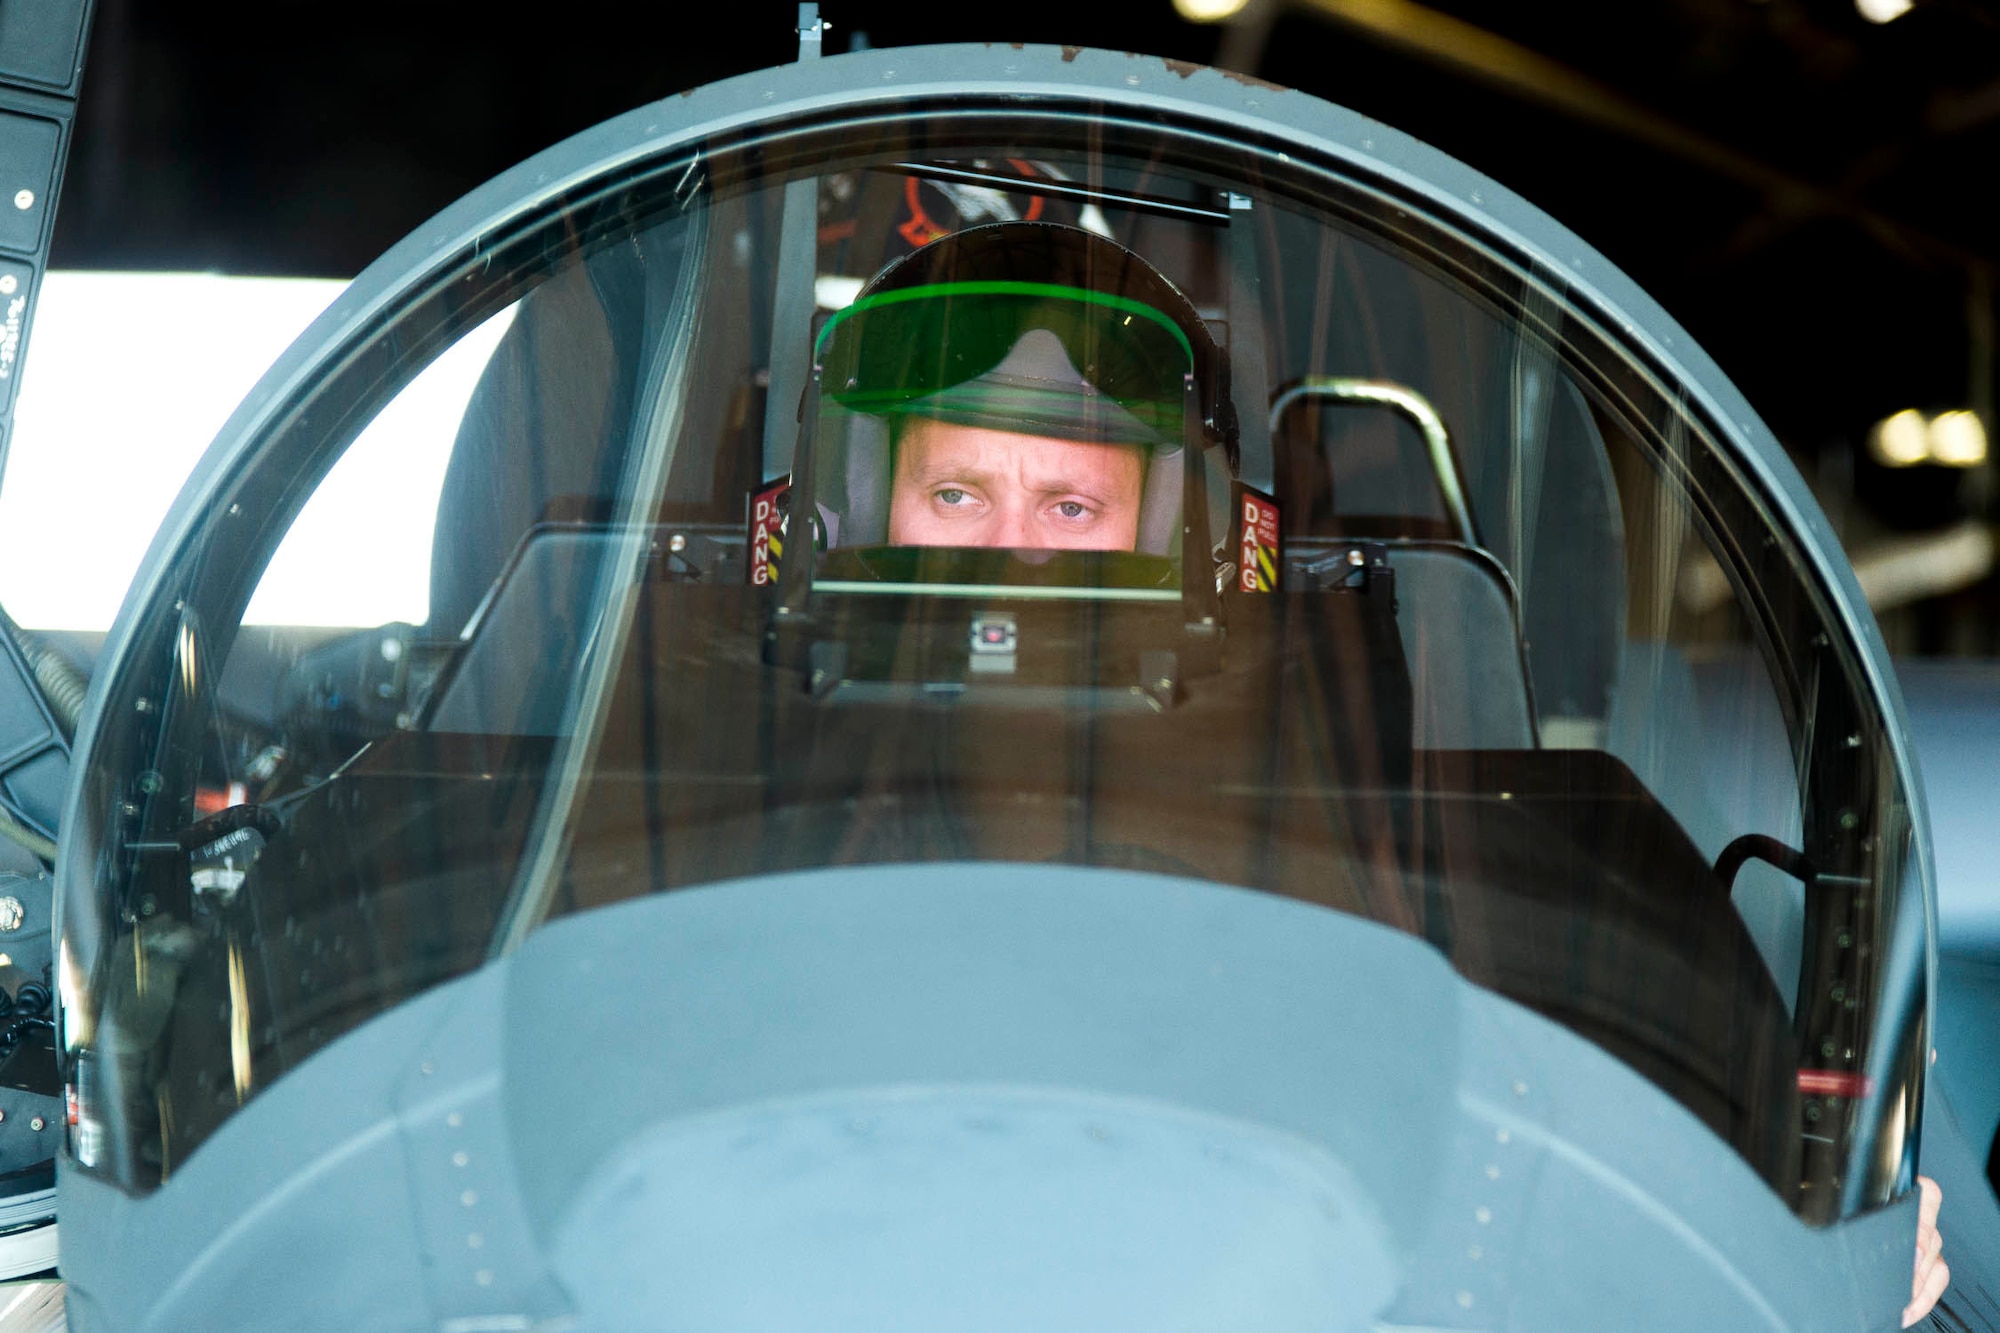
(41, 691)
(1051, 689)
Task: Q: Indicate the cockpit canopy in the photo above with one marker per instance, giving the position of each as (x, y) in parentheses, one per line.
(1436, 595)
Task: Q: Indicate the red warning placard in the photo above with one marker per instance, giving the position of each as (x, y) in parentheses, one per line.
(767, 530)
(1257, 541)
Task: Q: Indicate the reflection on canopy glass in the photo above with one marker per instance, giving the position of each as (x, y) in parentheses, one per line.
(1216, 518)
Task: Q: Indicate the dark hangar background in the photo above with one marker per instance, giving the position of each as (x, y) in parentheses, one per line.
(1808, 191)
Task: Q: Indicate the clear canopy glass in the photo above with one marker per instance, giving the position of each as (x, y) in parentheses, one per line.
(1428, 599)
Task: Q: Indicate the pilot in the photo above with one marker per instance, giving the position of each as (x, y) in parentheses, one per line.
(1028, 385)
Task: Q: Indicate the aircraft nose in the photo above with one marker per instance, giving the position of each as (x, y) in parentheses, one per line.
(978, 1208)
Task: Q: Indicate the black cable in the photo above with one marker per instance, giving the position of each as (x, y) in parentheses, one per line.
(1761, 847)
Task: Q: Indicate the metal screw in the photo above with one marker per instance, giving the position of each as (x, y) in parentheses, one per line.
(38, 1124)
(9, 284)
(24, 199)
(677, 542)
(12, 914)
(3, 1115)
(150, 782)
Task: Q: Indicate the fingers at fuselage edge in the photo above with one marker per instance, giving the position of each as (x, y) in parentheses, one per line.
(1930, 1275)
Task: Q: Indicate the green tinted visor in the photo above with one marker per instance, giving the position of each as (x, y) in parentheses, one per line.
(1034, 358)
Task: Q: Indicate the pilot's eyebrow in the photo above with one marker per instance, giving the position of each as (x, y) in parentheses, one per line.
(1064, 486)
(928, 472)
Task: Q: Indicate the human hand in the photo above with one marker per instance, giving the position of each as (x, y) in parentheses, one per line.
(1932, 1273)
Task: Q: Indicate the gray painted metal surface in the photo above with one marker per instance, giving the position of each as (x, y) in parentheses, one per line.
(1954, 709)
(1954, 721)
(901, 1068)
(1959, 1120)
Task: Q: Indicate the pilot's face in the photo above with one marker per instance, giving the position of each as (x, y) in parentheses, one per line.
(970, 486)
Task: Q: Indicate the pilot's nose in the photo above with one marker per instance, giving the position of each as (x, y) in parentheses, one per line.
(1015, 526)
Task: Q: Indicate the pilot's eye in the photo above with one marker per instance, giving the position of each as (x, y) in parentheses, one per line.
(951, 495)
(1072, 509)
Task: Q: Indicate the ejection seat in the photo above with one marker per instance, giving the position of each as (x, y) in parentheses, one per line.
(539, 455)
(1371, 460)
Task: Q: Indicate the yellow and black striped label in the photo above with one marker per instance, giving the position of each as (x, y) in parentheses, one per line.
(1267, 570)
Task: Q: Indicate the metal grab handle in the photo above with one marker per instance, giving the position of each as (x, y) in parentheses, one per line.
(1414, 407)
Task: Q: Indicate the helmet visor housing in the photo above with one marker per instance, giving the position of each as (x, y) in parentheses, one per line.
(1044, 332)
(1104, 368)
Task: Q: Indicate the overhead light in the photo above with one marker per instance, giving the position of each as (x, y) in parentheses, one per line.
(1949, 439)
(1882, 11)
(1215, 11)
(1958, 439)
(1901, 440)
